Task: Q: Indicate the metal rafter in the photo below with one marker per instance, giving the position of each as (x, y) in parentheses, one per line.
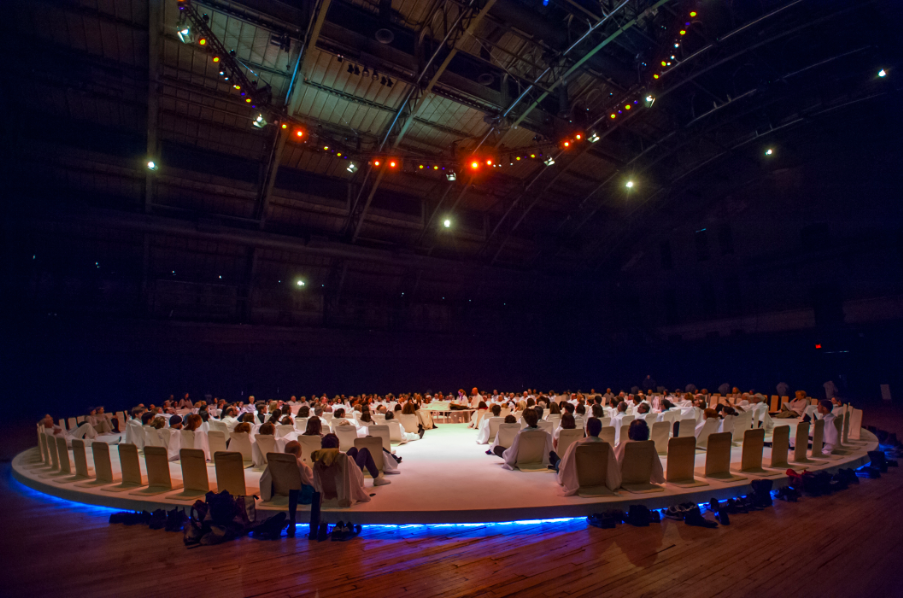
(416, 99)
(154, 49)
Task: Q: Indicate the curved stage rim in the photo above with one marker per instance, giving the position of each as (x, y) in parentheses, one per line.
(446, 478)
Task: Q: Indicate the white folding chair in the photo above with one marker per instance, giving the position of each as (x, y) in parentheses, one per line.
(156, 461)
(285, 475)
(131, 470)
(718, 458)
(530, 452)
(283, 430)
(103, 469)
(494, 423)
(374, 445)
(591, 460)
(608, 434)
(230, 474)
(216, 440)
(636, 470)
(381, 432)
(547, 426)
(216, 425)
(266, 444)
(682, 462)
(241, 443)
(661, 433)
(506, 434)
(195, 481)
(347, 435)
(309, 444)
(709, 427)
(565, 439)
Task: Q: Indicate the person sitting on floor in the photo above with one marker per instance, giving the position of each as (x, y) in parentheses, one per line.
(314, 427)
(266, 429)
(175, 422)
(483, 434)
(707, 414)
(306, 493)
(831, 438)
(362, 458)
(567, 465)
(397, 432)
(567, 423)
(510, 454)
(638, 432)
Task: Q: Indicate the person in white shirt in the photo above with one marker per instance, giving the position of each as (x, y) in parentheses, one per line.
(567, 467)
(510, 454)
(831, 436)
(799, 403)
(638, 432)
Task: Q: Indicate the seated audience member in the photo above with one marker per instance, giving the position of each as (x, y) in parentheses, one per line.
(287, 421)
(362, 458)
(266, 429)
(261, 415)
(831, 437)
(483, 433)
(158, 423)
(510, 419)
(175, 422)
(397, 432)
(314, 427)
(707, 414)
(306, 493)
(554, 409)
(567, 423)
(567, 466)
(798, 405)
(242, 427)
(638, 432)
(304, 411)
(510, 454)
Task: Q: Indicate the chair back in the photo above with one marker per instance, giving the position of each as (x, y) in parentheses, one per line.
(156, 460)
(309, 444)
(267, 444)
(230, 473)
(753, 446)
(328, 417)
(285, 473)
(547, 426)
(80, 458)
(216, 440)
(375, 446)
(608, 434)
(661, 432)
(718, 454)
(346, 435)
(566, 438)
(627, 419)
(530, 450)
(54, 455)
(283, 430)
(494, 423)
(216, 425)
(637, 465)
(128, 463)
(606, 421)
(408, 422)
(846, 426)
(103, 469)
(801, 445)
(780, 446)
(381, 431)
(622, 433)
(80, 420)
(708, 428)
(591, 459)
(240, 442)
(742, 423)
(152, 437)
(194, 470)
(42, 445)
(71, 424)
(300, 424)
(187, 439)
(818, 437)
(379, 418)
(687, 428)
(856, 424)
(681, 459)
(506, 434)
(63, 455)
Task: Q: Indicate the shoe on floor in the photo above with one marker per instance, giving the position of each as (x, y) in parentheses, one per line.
(381, 481)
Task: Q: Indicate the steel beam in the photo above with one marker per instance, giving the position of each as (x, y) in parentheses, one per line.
(154, 50)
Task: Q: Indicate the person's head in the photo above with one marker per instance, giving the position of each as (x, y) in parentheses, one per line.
(397, 407)
(598, 412)
(496, 410)
(242, 427)
(175, 422)
(510, 419)
(146, 418)
(247, 418)
(304, 411)
(825, 407)
(638, 430)
(287, 421)
(266, 429)
(158, 423)
(193, 422)
(622, 407)
(482, 405)
(710, 413)
(554, 409)
(409, 409)
(293, 448)
(666, 404)
(594, 426)
(389, 416)
(339, 413)
(530, 417)
(314, 426)
(580, 409)
(330, 441)
(643, 408)
(530, 402)
(538, 411)
(568, 422)
(569, 407)
(365, 417)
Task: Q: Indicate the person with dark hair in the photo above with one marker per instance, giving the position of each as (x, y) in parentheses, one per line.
(483, 434)
(532, 429)
(831, 437)
(567, 465)
(638, 432)
(314, 427)
(567, 423)
(361, 457)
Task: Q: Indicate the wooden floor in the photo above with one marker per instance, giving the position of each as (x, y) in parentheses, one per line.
(848, 544)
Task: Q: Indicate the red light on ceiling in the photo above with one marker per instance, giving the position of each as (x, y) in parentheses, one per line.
(567, 144)
(299, 133)
(579, 136)
(376, 162)
(392, 164)
(474, 164)
(216, 59)
(817, 346)
(488, 162)
(202, 41)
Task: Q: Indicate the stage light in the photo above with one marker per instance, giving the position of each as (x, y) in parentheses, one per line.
(339, 154)
(216, 59)
(626, 106)
(518, 158)
(185, 35)
(655, 76)
(437, 168)
(259, 122)
(882, 73)
(299, 133)
(683, 32)
(420, 167)
(532, 155)
(248, 100)
(352, 167)
(629, 184)
(664, 63)
(593, 138)
(376, 163)
(578, 136)
(488, 162)
(393, 164)
(650, 100)
(474, 165)
(151, 165)
(325, 148)
(202, 42)
(613, 115)
(817, 345)
(567, 144)
(692, 13)
(300, 283)
(451, 176)
(769, 152)
(446, 223)
(550, 161)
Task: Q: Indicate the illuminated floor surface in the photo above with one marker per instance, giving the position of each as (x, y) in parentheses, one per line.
(446, 478)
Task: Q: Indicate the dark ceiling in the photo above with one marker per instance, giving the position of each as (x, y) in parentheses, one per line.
(103, 86)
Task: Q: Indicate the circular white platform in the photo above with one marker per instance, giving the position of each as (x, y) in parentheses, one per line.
(446, 478)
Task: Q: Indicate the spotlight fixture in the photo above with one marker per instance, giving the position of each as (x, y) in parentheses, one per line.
(366, 71)
(613, 115)
(151, 165)
(451, 176)
(350, 70)
(692, 13)
(216, 59)
(299, 133)
(388, 82)
(549, 161)
(629, 184)
(474, 165)
(593, 138)
(683, 31)
(882, 73)
(352, 167)
(655, 76)
(650, 99)
(357, 71)
(382, 81)
(202, 41)
(769, 152)
(185, 35)
(446, 223)
(259, 122)
(375, 75)
(300, 283)
(284, 126)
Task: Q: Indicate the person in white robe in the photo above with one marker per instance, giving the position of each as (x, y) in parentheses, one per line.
(509, 455)
(567, 467)
(638, 432)
(831, 438)
(266, 478)
(483, 433)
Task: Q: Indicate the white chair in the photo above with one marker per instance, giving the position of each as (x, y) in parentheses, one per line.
(606, 422)
(608, 434)
(565, 439)
(506, 434)
(131, 470)
(687, 428)
(230, 474)
(409, 422)
(591, 461)
(381, 432)
(195, 481)
(347, 435)
(636, 470)
(156, 461)
(171, 442)
(152, 437)
(216, 441)
(494, 423)
(742, 423)
(194, 439)
(283, 430)
(547, 426)
(102, 467)
(215, 425)
(718, 458)
(285, 475)
(374, 445)
(661, 433)
(709, 427)
(309, 444)
(530, 452)
(301, 424)
(241, 443)
(266, 444)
